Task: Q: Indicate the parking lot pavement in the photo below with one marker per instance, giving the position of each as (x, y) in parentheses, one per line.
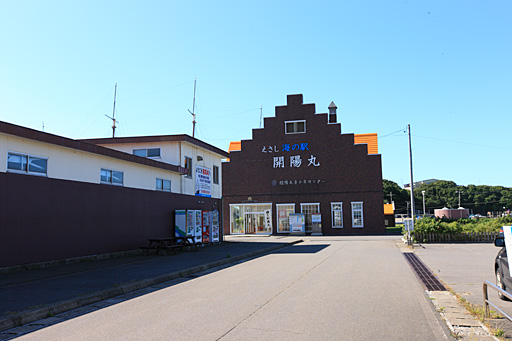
(463, 267)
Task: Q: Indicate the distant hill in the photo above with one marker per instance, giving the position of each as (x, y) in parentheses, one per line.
(479, 199)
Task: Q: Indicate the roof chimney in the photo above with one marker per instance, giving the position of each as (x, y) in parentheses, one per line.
(332, 113)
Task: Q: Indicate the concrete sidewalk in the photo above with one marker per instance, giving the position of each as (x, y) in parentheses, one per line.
(31, 295)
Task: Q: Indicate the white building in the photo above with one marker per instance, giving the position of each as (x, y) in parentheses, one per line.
(196, 157)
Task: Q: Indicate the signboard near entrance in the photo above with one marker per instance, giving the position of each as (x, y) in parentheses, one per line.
(268, 220)
(203, 182)
(316, 220)
(507, 233)
(297, 223)
(180, 223)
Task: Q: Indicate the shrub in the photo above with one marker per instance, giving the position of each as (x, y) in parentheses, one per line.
(452, 226)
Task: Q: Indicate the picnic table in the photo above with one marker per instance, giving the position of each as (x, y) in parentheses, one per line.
(160, 244)
(164, 244)
(186, 241)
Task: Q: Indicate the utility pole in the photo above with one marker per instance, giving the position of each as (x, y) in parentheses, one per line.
(459, 196)
(410, 163)
(423, 192)
(391, 195)
(193, 111)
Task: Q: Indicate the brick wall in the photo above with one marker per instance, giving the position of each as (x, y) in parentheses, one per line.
(332, 169)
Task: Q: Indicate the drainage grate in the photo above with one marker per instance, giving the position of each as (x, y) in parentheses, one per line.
(425, 275)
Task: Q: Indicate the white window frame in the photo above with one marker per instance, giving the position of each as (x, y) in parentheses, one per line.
(216, 181)
(190, 171)
(332, 214)
(353, 210)
(294, 127)
(146, 152)
(277, 218)
(162, 189)
(27, 171)
(305, 219)
(111, 177)
(243, 212)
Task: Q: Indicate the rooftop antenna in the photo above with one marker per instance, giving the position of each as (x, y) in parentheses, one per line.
(261, 114)
(113, 114)
(43, 125)
(193, 111)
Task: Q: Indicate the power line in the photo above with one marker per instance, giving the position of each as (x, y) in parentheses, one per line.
(467, 143)
(398, 131)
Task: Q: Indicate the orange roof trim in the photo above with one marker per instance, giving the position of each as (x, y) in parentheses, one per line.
(370, 140)
(388, 209)
(235, 146)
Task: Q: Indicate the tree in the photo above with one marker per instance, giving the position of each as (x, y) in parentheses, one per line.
(480, 199)
(400, 195)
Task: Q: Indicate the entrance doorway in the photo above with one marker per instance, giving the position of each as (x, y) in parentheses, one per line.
(249, 219)
(255, 223)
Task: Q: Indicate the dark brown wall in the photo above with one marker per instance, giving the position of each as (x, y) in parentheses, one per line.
(44, 219)
(346, 172)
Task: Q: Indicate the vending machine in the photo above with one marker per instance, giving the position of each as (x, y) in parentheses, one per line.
(191, 227)
(215, 230)
(198, 231)
(206, 226)
(180, 223)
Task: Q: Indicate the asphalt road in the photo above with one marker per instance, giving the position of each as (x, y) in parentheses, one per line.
(327, 288)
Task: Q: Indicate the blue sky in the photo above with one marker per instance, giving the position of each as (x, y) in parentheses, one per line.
(444, 67)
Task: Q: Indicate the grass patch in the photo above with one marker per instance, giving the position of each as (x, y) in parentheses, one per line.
(479, 313)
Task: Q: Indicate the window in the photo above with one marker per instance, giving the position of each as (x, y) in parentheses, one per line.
(337, 214)
(295, 127)
(215, 175)
(308, 210)
(283, 220)
(149, 152)
(188, 166)
(163, 185)
(27, 163)
(357, 214)
(113, 177)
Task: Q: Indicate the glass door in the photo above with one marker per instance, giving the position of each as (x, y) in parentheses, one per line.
(255, 223)
(251, 223)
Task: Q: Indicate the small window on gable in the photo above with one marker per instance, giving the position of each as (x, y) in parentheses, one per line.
(295, 127)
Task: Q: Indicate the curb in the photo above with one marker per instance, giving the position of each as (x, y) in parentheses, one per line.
(56, 308)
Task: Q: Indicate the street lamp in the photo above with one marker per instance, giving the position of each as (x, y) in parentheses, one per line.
(423, 193)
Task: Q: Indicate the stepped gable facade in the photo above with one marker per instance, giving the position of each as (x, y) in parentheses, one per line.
(301, 163)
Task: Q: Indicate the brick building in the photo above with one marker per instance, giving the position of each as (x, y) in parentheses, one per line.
(301, 163)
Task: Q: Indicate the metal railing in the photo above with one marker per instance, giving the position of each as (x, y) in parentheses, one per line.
(487, 302)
